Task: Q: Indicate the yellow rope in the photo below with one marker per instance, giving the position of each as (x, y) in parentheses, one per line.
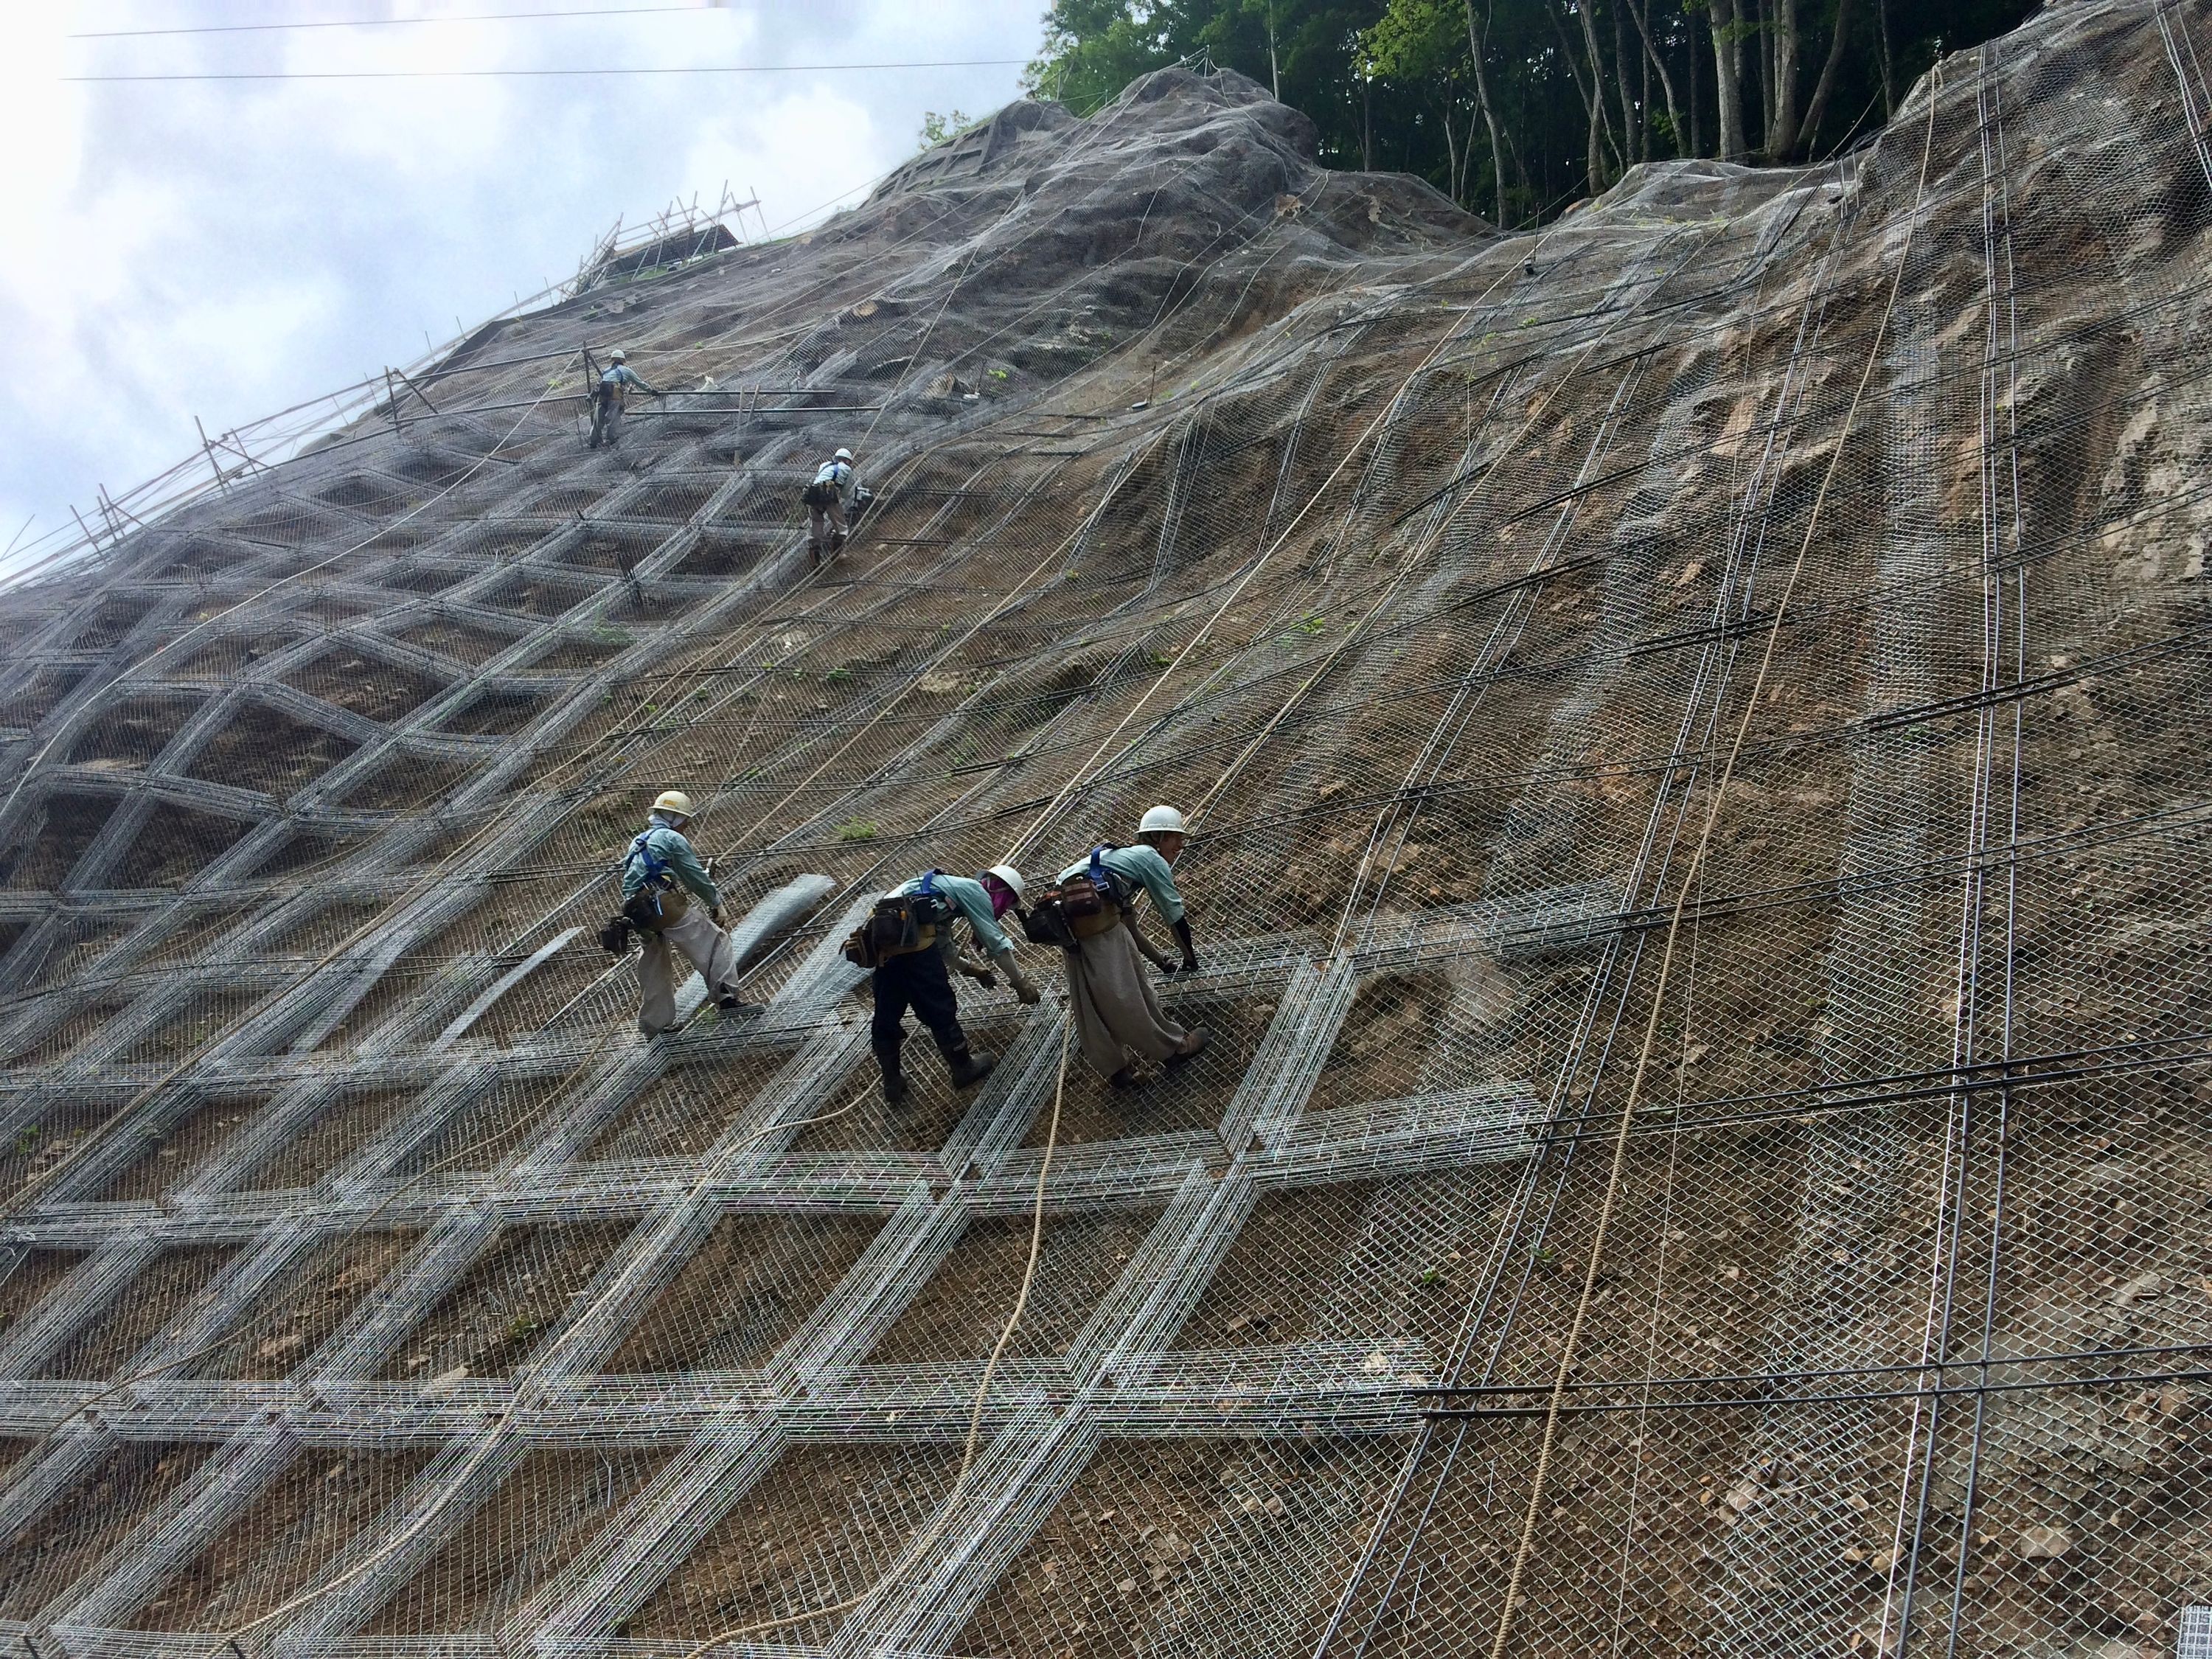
(1570, 1349)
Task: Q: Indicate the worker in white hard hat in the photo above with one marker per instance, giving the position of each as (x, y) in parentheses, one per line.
(671, 900)
(919, 977)
(828, 503)
(1118, 1014)
(611, 397)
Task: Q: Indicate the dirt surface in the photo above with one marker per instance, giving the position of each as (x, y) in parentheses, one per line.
(551, 1505)
(820, 1528)
(297, 1313)
(342, 1127)
(513, 1295)
(167, 1289)
(1733, 655)
(744, 1292)
(284, 1541)
(961, 1311)
(93, 1517)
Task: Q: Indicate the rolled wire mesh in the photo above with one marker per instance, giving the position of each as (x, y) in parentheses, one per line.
(374, 1288)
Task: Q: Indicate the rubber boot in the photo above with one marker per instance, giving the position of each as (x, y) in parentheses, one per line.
(887, 1057)
(1193, 1044)
(967, 1068)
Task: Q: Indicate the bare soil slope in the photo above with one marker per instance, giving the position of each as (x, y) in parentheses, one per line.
(1702, 844)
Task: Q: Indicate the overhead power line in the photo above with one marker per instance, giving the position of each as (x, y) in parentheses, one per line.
(479, 74)
(384, 22)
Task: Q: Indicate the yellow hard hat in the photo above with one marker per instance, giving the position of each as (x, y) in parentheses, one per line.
(674, 800)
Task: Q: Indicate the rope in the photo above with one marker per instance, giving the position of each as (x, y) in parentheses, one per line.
(945, 1510)
(522, 1396)
(1571, 1347)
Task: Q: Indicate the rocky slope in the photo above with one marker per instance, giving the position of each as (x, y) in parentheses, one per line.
(1689, 716)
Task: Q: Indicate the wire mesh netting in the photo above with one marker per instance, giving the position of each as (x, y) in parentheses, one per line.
(1686, 717)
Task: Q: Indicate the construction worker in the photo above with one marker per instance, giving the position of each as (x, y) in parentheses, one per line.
(828, 499)
(670, 899)
(613, 397)
(1117, 1012)
(919, 976)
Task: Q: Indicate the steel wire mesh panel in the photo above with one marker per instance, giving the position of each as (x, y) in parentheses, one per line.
(1701, 844)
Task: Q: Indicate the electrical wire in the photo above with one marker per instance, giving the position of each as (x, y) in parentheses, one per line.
(387, 23)
(490, 74)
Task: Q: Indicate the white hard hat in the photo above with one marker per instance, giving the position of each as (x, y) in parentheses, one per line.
(615, 355)
(844, 455)
(1161, 821)
(1012, 876)
(674, 800)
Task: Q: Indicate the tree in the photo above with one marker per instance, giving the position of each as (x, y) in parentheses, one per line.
(1517, 107)
(936, 129)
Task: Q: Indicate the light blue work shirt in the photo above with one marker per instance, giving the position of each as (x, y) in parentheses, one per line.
(968, 897)
(1141, 867)
(668, 845)
(839, 475)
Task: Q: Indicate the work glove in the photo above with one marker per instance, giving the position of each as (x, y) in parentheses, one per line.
(975, 970)
(1189, 963)
(715, 915)
(1025, 990)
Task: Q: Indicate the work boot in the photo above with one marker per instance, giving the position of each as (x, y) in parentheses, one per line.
(1192, 1045)
(1124, 1079)
(968, 1068)
(894, 1084)
(731, 1003)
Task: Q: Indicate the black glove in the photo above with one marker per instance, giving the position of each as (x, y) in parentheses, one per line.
(1189, 965)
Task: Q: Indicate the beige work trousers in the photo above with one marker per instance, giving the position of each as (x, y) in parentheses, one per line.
(821, 521)
(704, 946)
(1118, 1016)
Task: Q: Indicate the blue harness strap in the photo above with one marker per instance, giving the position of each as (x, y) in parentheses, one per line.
(656, 867)
(1104, 879)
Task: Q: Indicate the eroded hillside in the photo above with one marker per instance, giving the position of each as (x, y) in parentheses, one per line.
(1691, 721)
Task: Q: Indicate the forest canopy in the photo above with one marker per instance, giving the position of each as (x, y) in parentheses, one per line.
(1516, 108)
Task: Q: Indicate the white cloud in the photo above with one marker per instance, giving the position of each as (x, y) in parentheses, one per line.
(227, 249)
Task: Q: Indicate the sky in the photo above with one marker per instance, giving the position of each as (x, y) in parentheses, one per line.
(226, 249)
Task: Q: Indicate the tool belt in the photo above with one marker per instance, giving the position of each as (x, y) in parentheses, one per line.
(900, 925)
(820, 493)
(653, 910)
(1070, 911)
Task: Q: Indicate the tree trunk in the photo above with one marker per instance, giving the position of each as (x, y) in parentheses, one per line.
(1760, 42)
(1686, 143)
(1788, 45)
(1478, 35)
(1601, 139)
(1592, 91)
(1451, 146)
(1818, 111)
(1697, 142)
(1631, 149)
(1888, 84)
(1728, 89)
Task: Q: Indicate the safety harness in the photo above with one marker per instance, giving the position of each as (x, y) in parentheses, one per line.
(658, 903)
(900, 925)
(1084, 906)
